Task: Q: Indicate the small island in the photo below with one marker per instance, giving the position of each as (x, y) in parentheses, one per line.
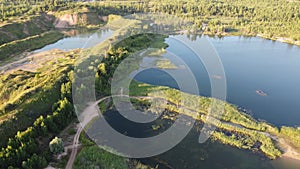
(234, 127)
(36, 101)
(261, 93)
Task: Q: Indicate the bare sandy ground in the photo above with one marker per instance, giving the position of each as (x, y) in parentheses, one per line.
(32, 61)
(289, 151)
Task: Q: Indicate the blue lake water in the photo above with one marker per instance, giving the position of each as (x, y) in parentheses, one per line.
(81, 40)
(250, 64)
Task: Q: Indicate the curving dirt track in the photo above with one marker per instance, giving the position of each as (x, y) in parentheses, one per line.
(85, 117)
(93, 111)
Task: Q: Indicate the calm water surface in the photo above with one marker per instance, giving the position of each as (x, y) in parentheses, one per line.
(250, 64)
(189, 154)
(85, 39)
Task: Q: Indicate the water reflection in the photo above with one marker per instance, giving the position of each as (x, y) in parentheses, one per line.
(80, 38)
(251, 64)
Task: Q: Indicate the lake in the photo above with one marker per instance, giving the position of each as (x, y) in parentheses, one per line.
(79, 39)
(250, 64)
(189, 154)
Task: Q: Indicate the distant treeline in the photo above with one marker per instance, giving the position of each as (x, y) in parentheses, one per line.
(271, 19)
(9, 8)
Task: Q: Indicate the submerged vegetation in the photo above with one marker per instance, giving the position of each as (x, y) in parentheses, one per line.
(235, 128)
(36, 106)
(164, 63)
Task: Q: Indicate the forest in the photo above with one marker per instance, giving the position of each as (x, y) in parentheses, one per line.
(270, 19)
(35, 107)
(47, 92)
(39, 104)
(26, 150)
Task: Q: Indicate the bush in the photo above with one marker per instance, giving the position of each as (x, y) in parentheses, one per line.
(56, 145)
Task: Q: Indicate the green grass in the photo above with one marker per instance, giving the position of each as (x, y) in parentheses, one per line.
(94, 157)
(245, 132)
(71, 131)
(28, 44)
(24, 96)
(195, 106)
(290, 132)
(104, 105)
(21, 29)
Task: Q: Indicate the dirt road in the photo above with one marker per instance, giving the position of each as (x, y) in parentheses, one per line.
(85, 117)
(93, 111)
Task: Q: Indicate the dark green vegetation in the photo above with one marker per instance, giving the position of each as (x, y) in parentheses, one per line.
(92, 156)
(25, 146)
(10, 9)
(29, 148)
(56, 145)
(37, 106)
(25, 96)
(120, 51)
(270, 19)
(278, 18)
(235, 128)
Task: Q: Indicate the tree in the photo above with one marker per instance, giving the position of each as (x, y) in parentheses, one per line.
(40, 126)
(56, 145)
(35, 162)
(66, 90)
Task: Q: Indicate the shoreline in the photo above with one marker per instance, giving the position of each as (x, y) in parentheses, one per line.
(286, 40)
(288, 151)
(280, 39)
